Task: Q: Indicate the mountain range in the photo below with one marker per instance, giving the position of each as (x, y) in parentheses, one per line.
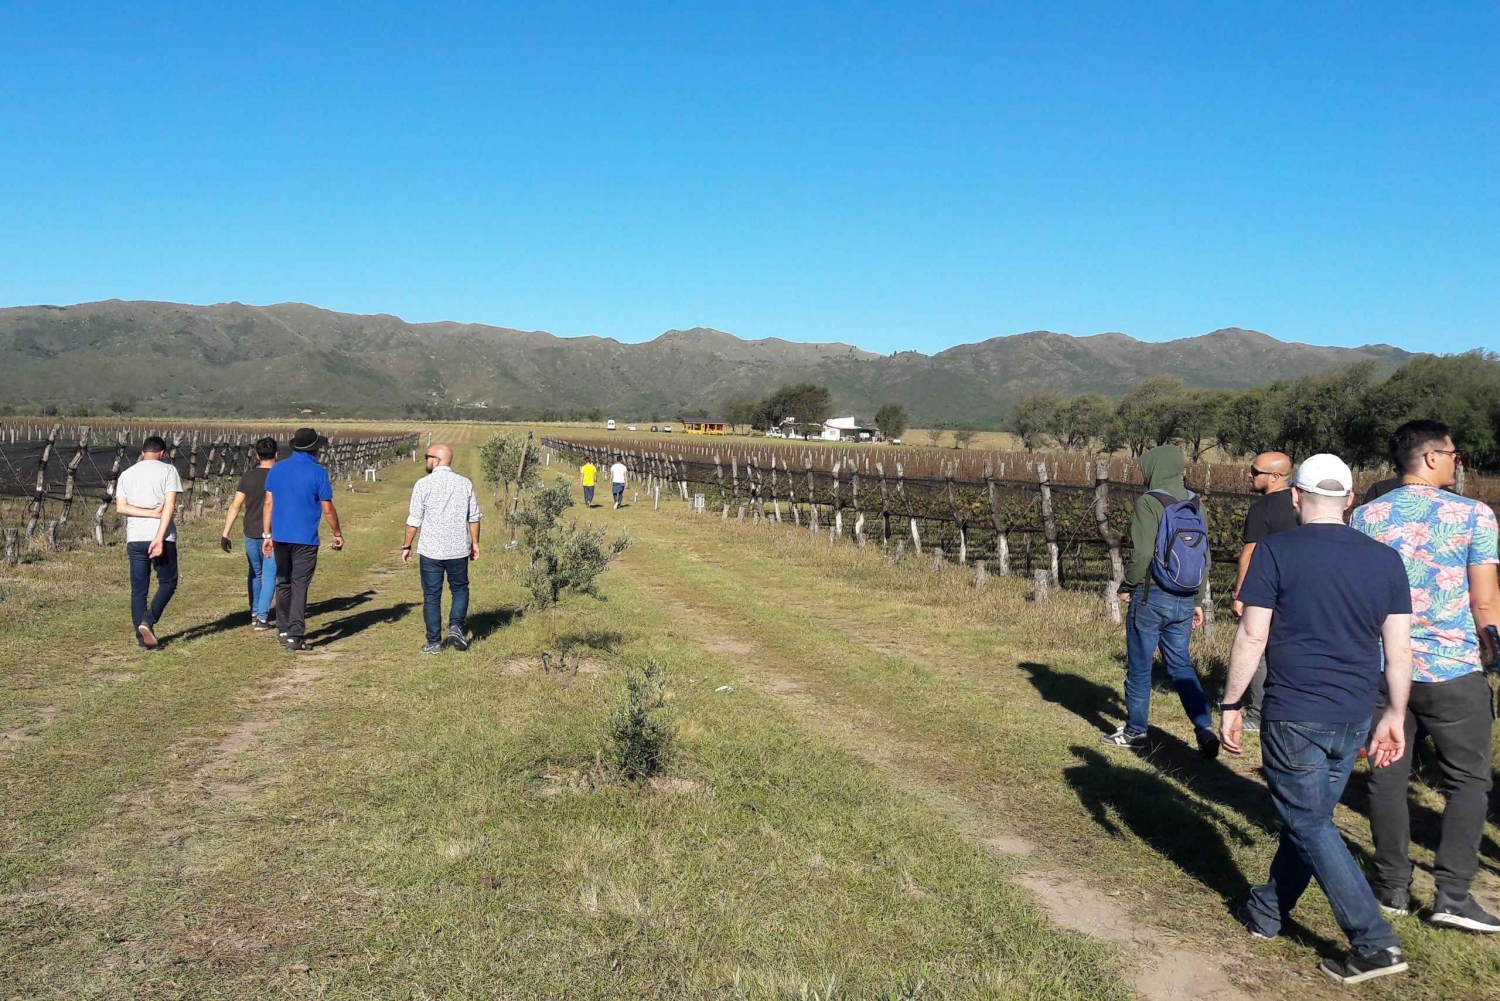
(230, 358)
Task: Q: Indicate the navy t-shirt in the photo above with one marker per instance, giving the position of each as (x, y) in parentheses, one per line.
(1329, 590)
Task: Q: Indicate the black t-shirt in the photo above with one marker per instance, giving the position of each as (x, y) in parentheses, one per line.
(1380, 488)
(253, 486)
(1270, 514)
(1329, 588)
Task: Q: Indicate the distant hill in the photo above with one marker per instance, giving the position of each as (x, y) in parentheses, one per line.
(231, 358)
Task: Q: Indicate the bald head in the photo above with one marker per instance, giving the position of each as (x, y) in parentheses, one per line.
(441, 455)
(1270, 472)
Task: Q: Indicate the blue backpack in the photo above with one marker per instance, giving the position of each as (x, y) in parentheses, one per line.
(1180, 561)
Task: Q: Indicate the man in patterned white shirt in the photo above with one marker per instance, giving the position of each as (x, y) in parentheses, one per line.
(446, 511)
(1449, 546)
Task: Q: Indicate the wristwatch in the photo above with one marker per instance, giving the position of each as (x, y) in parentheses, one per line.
(1232, 707)
(265, 536)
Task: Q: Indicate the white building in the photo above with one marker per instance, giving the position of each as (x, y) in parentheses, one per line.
(846, 429)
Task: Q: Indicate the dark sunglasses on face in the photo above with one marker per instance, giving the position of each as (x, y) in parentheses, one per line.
(1261, 472)
(431, 456)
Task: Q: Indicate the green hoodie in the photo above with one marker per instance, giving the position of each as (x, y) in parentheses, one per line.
(1162, 468)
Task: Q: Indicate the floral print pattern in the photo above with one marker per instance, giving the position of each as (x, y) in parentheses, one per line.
(1439, 536)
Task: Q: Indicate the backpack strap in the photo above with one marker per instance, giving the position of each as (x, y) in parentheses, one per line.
(1165, 498)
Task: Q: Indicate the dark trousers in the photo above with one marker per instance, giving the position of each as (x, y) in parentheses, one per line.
(433, 571)
(588, 496)
(141, 566)
(1460, 716)
(1257, 694)
(295, 564)
(1306, 766)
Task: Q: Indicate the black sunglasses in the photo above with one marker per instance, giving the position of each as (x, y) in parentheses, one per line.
(1263, 472)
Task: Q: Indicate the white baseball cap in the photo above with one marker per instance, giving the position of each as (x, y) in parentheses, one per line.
(1324, 474)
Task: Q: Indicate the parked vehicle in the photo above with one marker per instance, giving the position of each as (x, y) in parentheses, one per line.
(654, 429)
(631, 428)
(895, 441)
(775, 433)
(666, 428)
(609, 425)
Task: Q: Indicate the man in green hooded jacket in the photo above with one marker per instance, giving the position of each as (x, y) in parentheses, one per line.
(1158, 619)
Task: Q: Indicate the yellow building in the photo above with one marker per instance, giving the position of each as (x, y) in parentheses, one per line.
(704, 425)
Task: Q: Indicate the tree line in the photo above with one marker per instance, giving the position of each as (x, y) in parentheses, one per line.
(1350, 412)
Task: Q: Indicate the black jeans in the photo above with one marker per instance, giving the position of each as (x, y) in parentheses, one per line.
(1460, 716)
(295, 564)
(433, 571)
(141, 566)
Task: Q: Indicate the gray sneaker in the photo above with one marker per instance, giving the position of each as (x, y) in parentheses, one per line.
(1122, 739)
(456, 637)
(1463, 912)
(432, 648)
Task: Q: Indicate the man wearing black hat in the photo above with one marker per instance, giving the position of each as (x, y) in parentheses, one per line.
(298, 493)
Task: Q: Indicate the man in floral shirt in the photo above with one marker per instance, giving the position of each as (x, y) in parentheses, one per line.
(1449, 546)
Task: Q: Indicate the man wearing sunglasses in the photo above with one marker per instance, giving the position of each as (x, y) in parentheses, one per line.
(1271, 477)
(1449, 545)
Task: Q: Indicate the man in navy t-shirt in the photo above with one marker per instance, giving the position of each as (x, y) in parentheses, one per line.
(298, 494)
(1320, 601)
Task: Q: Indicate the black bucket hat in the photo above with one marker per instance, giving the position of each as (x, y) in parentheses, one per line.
(305, 440)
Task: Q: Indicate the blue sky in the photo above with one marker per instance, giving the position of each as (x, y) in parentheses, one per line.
(897, 176)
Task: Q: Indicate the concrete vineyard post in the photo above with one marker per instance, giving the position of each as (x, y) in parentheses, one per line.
(1049, 526)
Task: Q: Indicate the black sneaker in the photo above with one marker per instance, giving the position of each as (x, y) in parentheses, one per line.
(456, 637)
(148, 638)
(1208, 743)
(1352, 969)
(1463, 912)
(1396, 903)
(1122, 739)
(293, 644)
(259, 625)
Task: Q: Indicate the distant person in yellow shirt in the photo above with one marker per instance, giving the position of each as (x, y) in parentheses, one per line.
(587, 473)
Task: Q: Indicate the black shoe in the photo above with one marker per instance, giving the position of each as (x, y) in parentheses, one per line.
(1122, 739)
(293, 644)
(1208, 743)
(148, 637)
(456, 637)
(1463, 912)
(1396, 903)
(259, 625)
(1352, 969)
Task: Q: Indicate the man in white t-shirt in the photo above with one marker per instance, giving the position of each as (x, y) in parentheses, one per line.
(618, 474)
(146, 495)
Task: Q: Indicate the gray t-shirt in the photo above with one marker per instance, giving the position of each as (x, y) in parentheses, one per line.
(146, 484)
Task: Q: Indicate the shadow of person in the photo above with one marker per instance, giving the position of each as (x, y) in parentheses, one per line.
(603, 640)
(353, 625)
(1180, 829)
(482, 624)
(1100, 705)
(241, 619)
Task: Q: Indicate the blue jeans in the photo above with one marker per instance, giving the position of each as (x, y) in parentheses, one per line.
(588, 496)
(1306, 766)
(433, 571)
(262, 579)
(141, 566)
(618, 490)
(1160, 620)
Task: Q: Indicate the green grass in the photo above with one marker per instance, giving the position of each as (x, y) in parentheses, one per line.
(219, 820)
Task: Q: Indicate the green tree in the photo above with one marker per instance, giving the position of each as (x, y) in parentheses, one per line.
(1083, 423)
(1198, 413)
(803, 402)
(1147, 415)
(935, 436)
(1251, 422)
(891, 420)
(963, 435)
(1034, 417)
(122, 404)
(563, 558)
(500, 462)
(740, 412)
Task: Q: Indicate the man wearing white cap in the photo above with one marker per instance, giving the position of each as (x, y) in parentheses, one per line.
(1319, 602)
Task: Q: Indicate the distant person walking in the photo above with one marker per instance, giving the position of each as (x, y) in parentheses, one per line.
(250, 496)
(1163, 612)
(1449, 546)
(618, 476)
(298, 494)
(587, 473)
(1271, 477)
(1320, 600)
(446, 511)
(146, 494)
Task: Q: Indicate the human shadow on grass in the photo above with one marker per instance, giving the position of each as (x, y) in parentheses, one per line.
(241, 619)
(353, 625)
(482, 624)
(602, 640)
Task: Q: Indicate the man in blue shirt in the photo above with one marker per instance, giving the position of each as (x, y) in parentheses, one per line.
(1320, 601)
(298, 494)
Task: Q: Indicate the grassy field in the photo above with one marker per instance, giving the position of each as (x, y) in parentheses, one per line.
(901, 797)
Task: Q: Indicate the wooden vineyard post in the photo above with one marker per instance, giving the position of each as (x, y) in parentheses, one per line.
(775, 503)
(836, 530)
(812, 496)
(41, 480)
(752, 472)
(515, 504)
(1049, 526)
(1039, 581)
(911, 520)
(12, 547)
(719, 476)
(1208, 585)
(859, 515)
(958, 520)
(997, 517)
(109, 489)
(194, 501)
(1110, 538)
(72, 480)
(791, 493)
(885, 509)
